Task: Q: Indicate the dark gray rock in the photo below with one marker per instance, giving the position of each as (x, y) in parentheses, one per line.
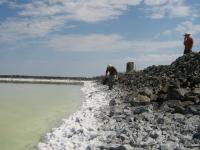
(112, 102)
(179, 109)
(192, 110)
(192, 97)
(176, 94)
(140, 110)
(122, 137)
(161, 97)
(117, 148)
(88, 148)
(196, 136)
(155, 134)
(160, 121)
(111, 113)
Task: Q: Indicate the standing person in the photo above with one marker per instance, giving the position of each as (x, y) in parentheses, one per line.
(188, 43)
(111, 75)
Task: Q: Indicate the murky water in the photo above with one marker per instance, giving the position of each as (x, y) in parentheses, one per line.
(28, 111)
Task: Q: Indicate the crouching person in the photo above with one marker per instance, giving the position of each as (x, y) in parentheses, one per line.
(111, 76)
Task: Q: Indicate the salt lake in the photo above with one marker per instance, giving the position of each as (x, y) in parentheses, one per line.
(28, 111)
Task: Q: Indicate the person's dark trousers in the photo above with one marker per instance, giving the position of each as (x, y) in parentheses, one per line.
(186, 51)
(111, 81)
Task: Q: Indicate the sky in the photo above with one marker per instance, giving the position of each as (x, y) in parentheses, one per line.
(80, 37)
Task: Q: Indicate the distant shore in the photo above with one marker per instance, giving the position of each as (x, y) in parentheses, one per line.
(43, 79)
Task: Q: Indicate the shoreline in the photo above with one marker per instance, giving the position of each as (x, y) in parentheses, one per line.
(41, 81)
(156, 108)
(81, 129)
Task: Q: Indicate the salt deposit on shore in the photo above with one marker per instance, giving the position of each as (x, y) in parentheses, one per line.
(79, 130)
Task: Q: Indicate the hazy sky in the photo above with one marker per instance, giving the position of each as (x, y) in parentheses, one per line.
(80, 37)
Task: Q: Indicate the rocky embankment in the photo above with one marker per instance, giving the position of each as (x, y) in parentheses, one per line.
(156, 108)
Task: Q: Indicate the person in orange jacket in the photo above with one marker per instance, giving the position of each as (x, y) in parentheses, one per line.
(188, 43)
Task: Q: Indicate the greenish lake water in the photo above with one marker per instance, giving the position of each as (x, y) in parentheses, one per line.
(28, 111)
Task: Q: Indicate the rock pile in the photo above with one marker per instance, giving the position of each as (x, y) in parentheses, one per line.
(178, 81)
(156, 108)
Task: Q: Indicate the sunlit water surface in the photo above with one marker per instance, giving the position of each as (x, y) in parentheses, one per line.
(28, 111)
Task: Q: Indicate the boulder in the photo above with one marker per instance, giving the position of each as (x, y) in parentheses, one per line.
(192, 97)
(160, 121)
(140, 110)
(187, 103)
(142, 98)
(112, 102)
(196, 136)
(146, 92)
(179, 109)
(155, 134)
(117, 148)
(192, 110)
(196, 91)
(176, 93)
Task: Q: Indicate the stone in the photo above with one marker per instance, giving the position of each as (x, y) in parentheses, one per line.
(160, 121)
(172, 103)
(161, 97)
(177, 94)
(88, 148)
(146, 92)
(187, 103)
(193, 98)
(179, 117)
(117, 148)
(169, 146)
(179, 109)
(174, 84)
(196, 91)
(155, 134)
(122, 137)
(192, 110)
(142, 98)
(140, 110)
(148, 116)
(196, 136)
(164, 89)
(77, 120)
(111, 113)
(112, 102)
